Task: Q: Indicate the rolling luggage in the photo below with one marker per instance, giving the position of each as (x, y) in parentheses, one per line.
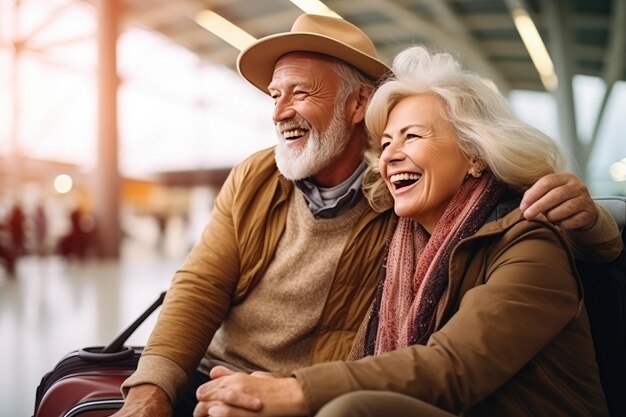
(86, 382)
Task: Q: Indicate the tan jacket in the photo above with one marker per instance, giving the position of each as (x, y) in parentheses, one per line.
(236, 248)
(515, 339)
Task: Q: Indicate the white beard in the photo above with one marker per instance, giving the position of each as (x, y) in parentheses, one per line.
(296, 163)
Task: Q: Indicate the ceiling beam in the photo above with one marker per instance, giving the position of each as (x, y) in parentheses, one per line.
(196, 37)
(48, 20)
(276, 21)
(401, 16)
(445, 17)
(161, 14)
(613, 61)
(88, 37)
(510, 48)
(559, 47)
(225, 56)
(210, 46)
(487, 22)
(587, 21)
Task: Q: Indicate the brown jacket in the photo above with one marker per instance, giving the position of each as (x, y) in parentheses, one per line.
(515, 339)
(236, 248)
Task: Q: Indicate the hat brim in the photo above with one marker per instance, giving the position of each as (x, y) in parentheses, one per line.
(256, 63)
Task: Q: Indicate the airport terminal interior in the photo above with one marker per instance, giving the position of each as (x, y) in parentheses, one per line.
(121, 119)
(54, 305)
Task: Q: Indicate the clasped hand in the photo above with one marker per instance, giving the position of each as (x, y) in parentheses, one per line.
(236, 394)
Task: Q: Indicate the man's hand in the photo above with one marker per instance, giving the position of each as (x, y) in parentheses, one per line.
(563, 199)
(145, 401)
(235, 394)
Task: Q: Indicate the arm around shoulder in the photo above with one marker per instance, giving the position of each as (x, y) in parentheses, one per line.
(600, 243)
(470, 356)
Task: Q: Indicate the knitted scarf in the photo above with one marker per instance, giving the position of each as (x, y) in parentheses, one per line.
(410, 296)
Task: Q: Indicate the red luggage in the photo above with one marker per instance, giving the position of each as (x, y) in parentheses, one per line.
(86, 382)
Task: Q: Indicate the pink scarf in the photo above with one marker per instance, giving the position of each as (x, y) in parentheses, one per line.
(408, 306)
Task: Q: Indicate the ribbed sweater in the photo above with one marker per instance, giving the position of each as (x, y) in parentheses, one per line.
(273, 328)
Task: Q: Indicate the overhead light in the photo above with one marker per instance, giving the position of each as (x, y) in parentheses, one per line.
(314, 7)
(536, 48)
(63, 184)
(618, 170)
(223, 28)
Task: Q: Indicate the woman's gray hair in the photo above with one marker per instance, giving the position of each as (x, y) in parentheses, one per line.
(517, 153)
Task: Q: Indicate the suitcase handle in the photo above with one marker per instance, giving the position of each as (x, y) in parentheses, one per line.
(118, 344)
(116, 351)
(96, 354)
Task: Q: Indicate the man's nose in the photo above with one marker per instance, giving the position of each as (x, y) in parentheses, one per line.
(282, 110)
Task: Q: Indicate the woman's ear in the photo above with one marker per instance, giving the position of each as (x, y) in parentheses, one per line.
(476, 168)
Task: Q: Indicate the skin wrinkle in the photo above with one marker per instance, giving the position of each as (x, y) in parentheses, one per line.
(343, 167)
(418, 139)
(330, 118)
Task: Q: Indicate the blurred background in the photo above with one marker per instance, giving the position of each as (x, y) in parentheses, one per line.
(120, 119)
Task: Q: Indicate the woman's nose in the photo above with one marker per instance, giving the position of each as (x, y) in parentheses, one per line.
(392, 152)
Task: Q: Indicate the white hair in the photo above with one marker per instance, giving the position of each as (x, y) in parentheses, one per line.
(322, 147)
(517, 153)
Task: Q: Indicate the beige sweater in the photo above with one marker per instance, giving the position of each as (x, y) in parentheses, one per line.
(229, 261)
(284, 309)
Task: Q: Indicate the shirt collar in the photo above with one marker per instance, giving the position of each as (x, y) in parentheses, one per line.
(330, 202)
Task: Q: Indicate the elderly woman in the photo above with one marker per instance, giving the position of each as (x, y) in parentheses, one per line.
(478, 311)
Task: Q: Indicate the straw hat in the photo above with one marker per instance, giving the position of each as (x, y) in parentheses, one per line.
(310, 33)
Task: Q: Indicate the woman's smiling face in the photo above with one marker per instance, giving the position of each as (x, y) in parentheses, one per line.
(421, 161)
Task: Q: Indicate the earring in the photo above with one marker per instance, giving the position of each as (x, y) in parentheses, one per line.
(474, 172)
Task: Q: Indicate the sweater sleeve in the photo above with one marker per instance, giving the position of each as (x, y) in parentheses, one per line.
(487, 341)
(196, 302)
(600, 243)
(159, 371)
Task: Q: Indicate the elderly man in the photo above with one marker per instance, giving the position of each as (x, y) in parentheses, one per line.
(285, 270)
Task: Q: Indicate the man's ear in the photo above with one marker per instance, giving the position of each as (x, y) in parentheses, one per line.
(359, 105)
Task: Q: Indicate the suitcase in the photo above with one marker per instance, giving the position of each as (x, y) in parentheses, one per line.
(86, 382)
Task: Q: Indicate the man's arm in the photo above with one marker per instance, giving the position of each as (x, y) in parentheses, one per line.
(193, 309)
(146, 400)
(565, 201)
